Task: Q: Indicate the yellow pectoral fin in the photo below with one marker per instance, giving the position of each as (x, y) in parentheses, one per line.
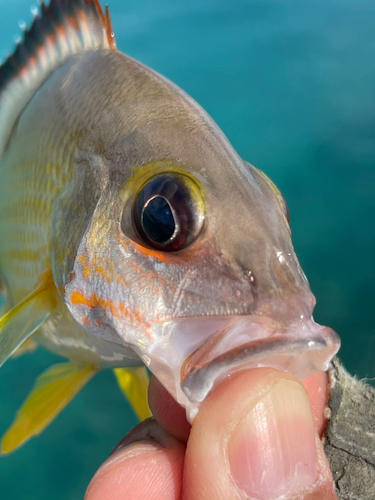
(134, 384)
(22, 321)
(53, 390)
(29, 345)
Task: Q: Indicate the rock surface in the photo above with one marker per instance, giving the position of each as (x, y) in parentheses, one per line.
(350, 436)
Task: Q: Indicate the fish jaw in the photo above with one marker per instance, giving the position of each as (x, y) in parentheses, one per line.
(190, 356)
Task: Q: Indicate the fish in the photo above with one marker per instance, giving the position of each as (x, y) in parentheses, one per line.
(132, 235)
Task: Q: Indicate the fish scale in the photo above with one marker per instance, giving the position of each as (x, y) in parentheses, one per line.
(29, 189)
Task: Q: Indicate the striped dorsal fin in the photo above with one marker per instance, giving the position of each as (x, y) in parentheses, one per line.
(63, 28)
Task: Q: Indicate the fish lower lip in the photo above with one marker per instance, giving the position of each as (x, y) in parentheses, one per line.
(197, 353)
(202, 370)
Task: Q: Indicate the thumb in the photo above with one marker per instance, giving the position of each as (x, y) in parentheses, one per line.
(254, 437)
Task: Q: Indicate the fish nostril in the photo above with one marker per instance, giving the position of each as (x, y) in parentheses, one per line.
(243, 268)
(249, 276)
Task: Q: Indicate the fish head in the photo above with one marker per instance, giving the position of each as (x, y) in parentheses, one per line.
(184, 254)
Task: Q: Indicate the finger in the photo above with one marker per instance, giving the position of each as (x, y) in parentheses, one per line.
(254, 437)
(146, 465)
(317, 388)
(172, 417)
(169, 414)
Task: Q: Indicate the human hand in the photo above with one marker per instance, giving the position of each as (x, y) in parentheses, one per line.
(256, 436)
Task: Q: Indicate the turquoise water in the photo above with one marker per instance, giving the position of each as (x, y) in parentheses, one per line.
(292, 84)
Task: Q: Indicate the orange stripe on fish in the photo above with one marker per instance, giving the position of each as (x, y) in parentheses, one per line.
(85, 266)
(103, 272)
(148, 252)
(117, 309)
(85, 321)
(90, 268)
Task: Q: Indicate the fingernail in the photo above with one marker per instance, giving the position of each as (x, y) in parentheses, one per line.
(130, 440)
(135, 448)
(146, 432)
(272, 452)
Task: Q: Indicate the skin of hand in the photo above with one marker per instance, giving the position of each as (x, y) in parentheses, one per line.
(256, 436)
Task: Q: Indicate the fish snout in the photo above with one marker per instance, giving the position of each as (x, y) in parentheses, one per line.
(286, 305)
(280, 286)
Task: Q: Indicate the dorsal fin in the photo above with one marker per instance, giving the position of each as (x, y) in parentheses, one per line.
(63, 28)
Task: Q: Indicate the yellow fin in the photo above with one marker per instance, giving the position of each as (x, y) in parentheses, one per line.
(29, 345)
(134, 384)
(22, 321)
(53, 390)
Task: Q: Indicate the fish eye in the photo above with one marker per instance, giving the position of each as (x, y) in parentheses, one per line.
(168, 212)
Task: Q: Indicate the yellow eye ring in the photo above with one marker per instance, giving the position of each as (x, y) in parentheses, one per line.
(278, 194)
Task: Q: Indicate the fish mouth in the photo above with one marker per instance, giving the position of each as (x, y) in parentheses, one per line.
(192, 355)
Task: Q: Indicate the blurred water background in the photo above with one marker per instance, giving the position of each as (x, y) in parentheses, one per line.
(292, 84)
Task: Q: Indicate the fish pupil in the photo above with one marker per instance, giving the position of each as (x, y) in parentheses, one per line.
(157, 220)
